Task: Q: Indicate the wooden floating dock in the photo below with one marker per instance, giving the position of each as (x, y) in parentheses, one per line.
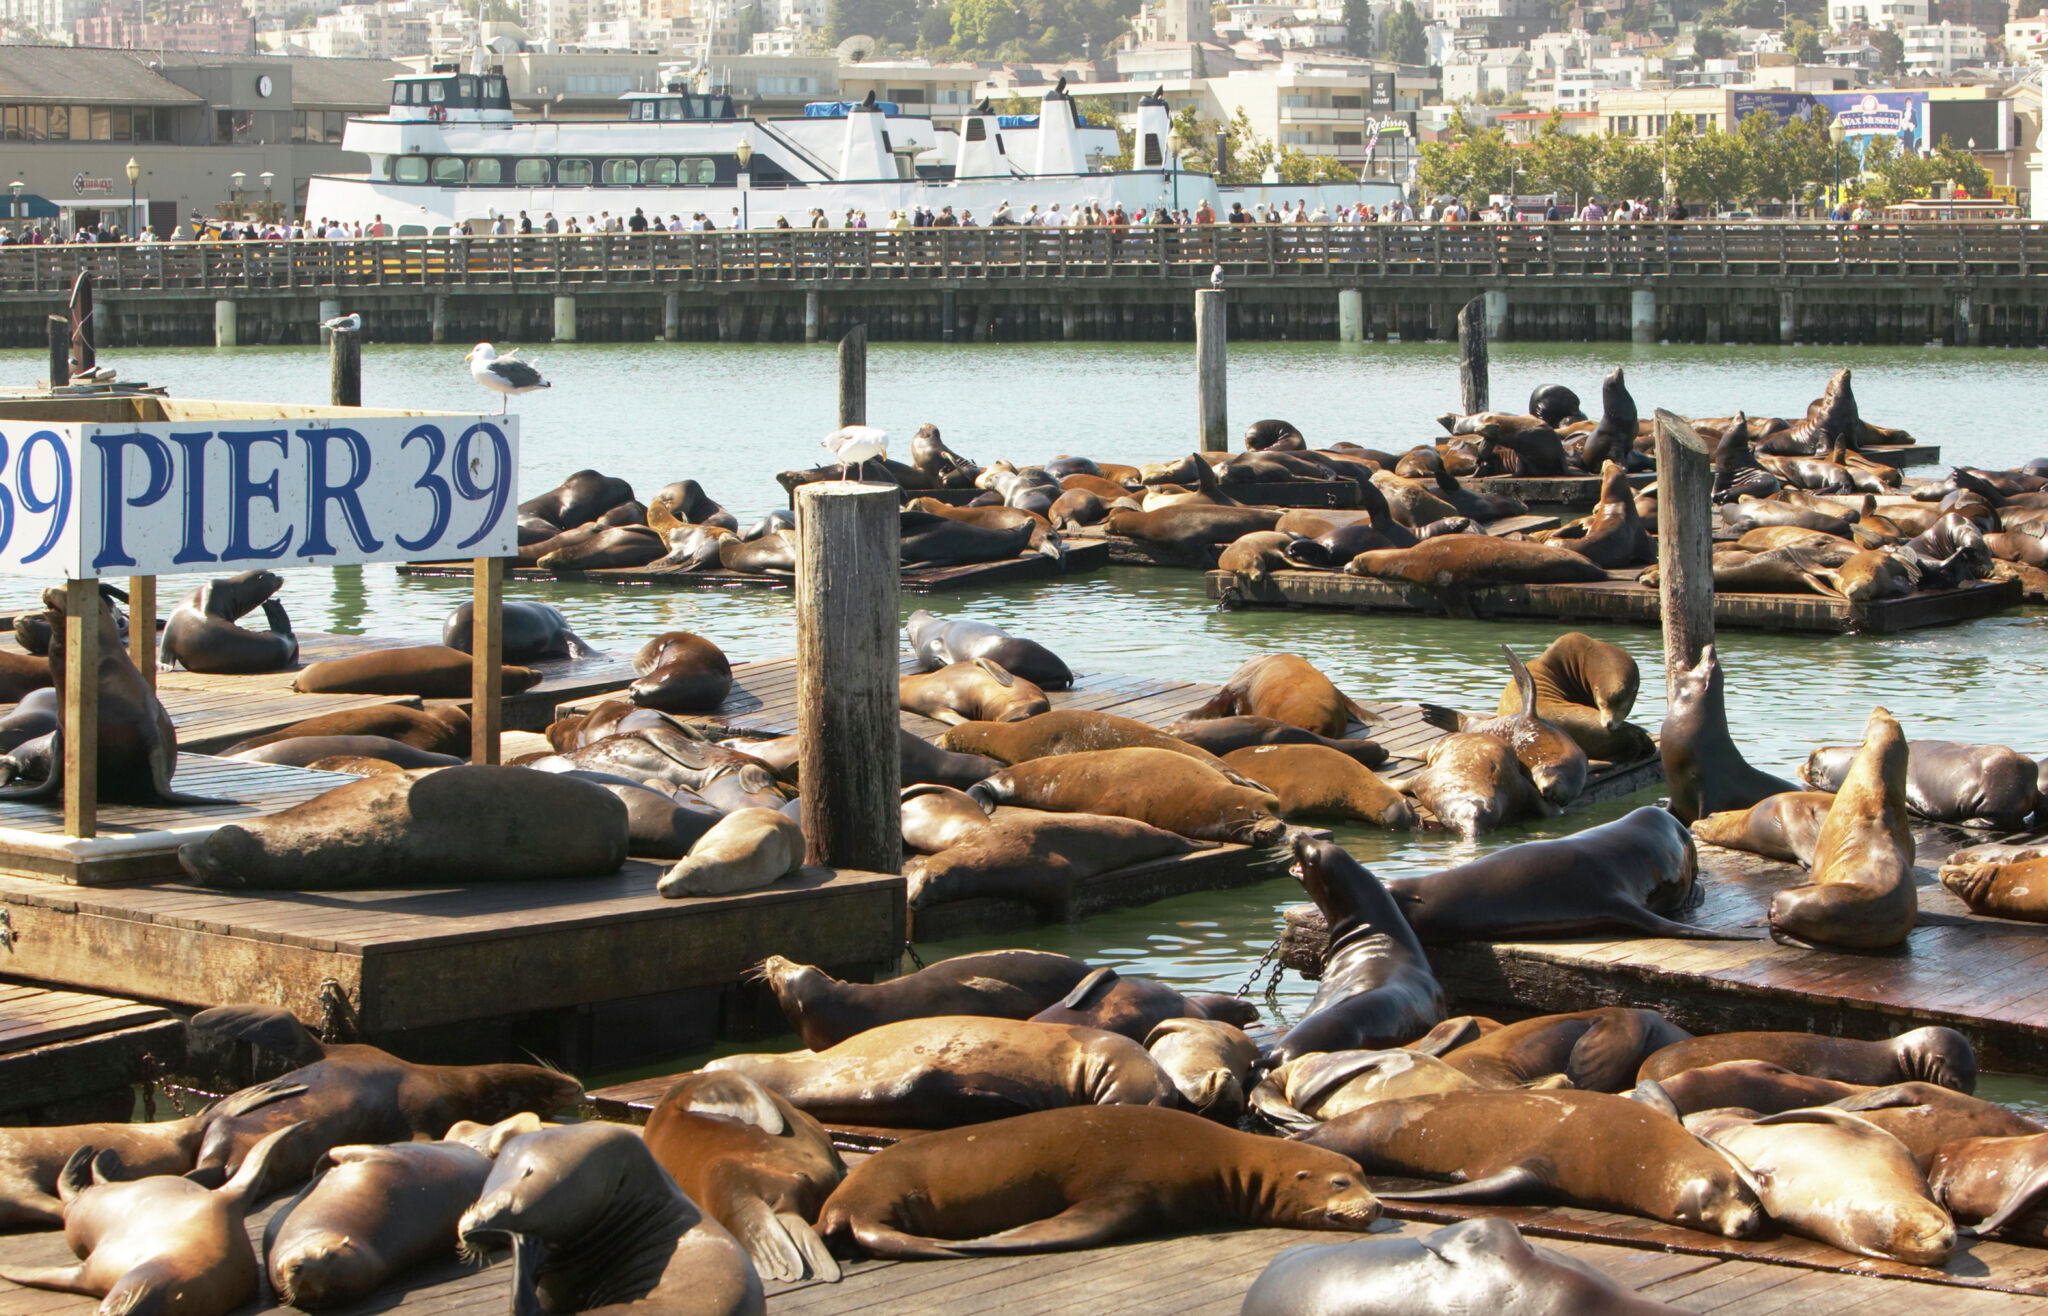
(591, 972)
(1082, 556)
(70, 1057)
(1219, 869)
(1621, 599)
(1125, 551)
(1296, 493)
(1566, 493)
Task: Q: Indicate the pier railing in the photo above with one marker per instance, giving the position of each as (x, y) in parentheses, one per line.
(1262, 253)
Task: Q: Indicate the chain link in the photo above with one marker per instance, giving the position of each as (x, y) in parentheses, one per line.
(1272, 985)
(910, 949)
(334, 1011)
(151, 1074)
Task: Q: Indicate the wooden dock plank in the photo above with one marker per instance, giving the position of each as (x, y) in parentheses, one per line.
(67, 1055)
(1082, 556)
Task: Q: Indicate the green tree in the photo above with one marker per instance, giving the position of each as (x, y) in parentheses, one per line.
(1473, 165)
(1707, 166)
(1628, 168)
(1891, 50)
(1804, 42)
(1247, 156)
(1710, 43)
(1358, 27)
(1562, 162)
(1403, 39)
(983, 24)
(1957, 168)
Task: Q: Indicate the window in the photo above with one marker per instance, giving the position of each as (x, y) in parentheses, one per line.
(495, 94)
(977, 130)
(658, 172)
(1347, 102)
(643, 110)
(102, 123)
(233, 125)
(163, 125)
(398, 93)
(465, 89)
(1152, 154)
(672, 111)
(60, 123)
(437, 93)
(531, 171)
(485, 169)
(1347, 139)
(124, 127)
(622, 171)
(448, 169)
(333, 123)
(409, 169)
(299, 125)
(700, 173)
(906, 95)
(10, 123)
(573, 173)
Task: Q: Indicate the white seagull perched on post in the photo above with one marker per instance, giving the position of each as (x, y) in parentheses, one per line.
(856, 445)
(348, 323)
(1216, 277)
(505, 375)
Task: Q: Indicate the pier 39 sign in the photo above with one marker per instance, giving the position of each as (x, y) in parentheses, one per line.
(164, 497)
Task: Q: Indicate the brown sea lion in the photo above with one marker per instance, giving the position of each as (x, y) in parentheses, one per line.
(1578, 670)
(1154, 786)
(1997, 886)
(1587, 1149)
(1756, 1085)
(1064, 731)
(1927, 1117)
(754, 1163)
(1256, 556)
(771, 554)
(1287, 688)
(582, 497)
(1597, 1050)
(614, 546)
(1556, 762)
(1077, 507)
(1833, 1177)
(979, 690)
(1003, 984)
(1613, 438)
(1946, 781)
(1134, 1007)
(939, 641)
(32, 1157)
(1191, 529)
(532, 632)
(597, 1225)
(1924, 1055)
(1298, 1094)
(20, 674)
(1377, 987)
(1210, 1063)
(1473, 783)
(1861, 894)
(955, 1069)
(686, 503)
(1706, 772)
(1783, 827)
(1226, 735)
(305, 751)
(1312, 781)
(1457, 563)
(431, 671)
(201, 634)
(354, 765)
(1614, 535)
(1997, 1185)
(745, 850)
(681, 672)
(1063, 1179)
(443, 729)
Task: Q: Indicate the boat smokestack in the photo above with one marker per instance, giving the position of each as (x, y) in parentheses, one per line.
(981, 145)
(1152, 148)
(1059, 134)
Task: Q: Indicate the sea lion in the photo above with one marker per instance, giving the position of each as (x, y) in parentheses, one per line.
(930, 455)
(1737, 472)
(1976, 785)
(1861, 894)
(1003, 984)
(581, 498)
(1614, 535)
(1587, 1149)
(1456, 563)
(979, 690)
(1706, 772)
(918, 760)
(1831, 421)
(431, 671)
(1062, 1179)
(1473, 783)
(1077, 507)
(160, 1244)
(439, 730)
(957, 1069)
(1209, 1061)
(1269, 435)
(597, 1225)
(1626, 875)
(201, 634)
(1134, 1007)
(745, 850)
(1287, 688)
(1831, 1176)
(305, 751)
(1312, 781)
(1597, 1050)
(1301, 1093)
(1329, 549)
(754, 1163)
(685, 503)
(470, 823)
(1614, 438)
(379, 1212)
(1996, 1185)
(533, 632)
(1925, 1055)
(773, 553)
(1554, 405)
(1927, 1117)
(1783, 827)
(1377, 987)
(1756, 1085)
(22, 674)
(1226, 735)
(1556, 762)
(1064, 731)
(693, 547)
(938, 642)
(1478, 1265)
(1190, 529)
(613, 546)
(1256, 556)
(2015, 888)
(936, 540)
(1154, 786)
(32, 1157)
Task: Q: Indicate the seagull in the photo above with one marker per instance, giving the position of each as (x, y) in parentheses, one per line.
(348, 323)
(855, 445)
(98, 375)
(505, 375)
(1216, 277)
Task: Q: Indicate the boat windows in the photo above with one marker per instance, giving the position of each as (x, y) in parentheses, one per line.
(485, 169)
(437, 92)
(658, 172)
(572, 173)
(622, 171)
(409, 169)
(448, 169)
(465, 90)
(531, 171)
(700, 173)
(977, 130)
(672, 111)
(495, 95)
(412, 230)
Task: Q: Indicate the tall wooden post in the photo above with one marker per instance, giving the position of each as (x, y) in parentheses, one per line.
(81, 765)
(487, 658)
(1685, 543)
(142, 626)
(853, 376)
(83, 354)
(60, 351)
(1212, 333)
(1472, 355)
(345, 367)
(847, 666)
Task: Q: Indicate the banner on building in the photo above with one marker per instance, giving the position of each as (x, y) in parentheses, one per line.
(1787, 105)
(1867, 114)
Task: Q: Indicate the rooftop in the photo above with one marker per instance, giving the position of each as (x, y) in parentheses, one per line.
(85, 76)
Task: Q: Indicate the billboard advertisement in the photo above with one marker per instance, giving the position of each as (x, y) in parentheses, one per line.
(1787, 105)
(1867, 114)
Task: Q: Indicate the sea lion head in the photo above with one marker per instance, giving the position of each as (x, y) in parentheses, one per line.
(1312, 1187)
(553, 1184)
(798, 988)
(1941, 1056)
(489, 1093)
(1721, 1204)
(316, 1265)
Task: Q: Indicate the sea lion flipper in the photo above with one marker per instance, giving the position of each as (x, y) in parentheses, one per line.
(767, 1239)
(1607, 1053)
(1885, 1098)
(1452, 1033)
(1272, 1105)
(2026, 1200)
(1651, 1093)
(1090, 1223)
(734, 1097)
(252, 1181)
(1514, 1182)
(1085, 991)
(59, 1279)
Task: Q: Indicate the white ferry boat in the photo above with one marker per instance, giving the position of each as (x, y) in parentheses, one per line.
(450, 156)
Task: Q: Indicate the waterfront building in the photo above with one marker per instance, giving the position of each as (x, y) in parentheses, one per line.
(1939, 49)
(208, 28)
(1858, 15)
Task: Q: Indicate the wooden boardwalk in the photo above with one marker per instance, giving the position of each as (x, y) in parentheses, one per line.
(71, 1056)
(1619, 599)
(1082, 556)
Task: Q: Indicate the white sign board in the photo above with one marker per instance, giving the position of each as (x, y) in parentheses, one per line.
(225, 495)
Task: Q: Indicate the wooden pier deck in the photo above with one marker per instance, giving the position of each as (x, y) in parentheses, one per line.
(1125, 551)
(1620, 599)
(69, 1057)
(1082, 556)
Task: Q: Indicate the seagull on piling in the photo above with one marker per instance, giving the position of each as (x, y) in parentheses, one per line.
(348, 323)
(856, 445)
(1216, 277)
(97, 375)
(504, 375)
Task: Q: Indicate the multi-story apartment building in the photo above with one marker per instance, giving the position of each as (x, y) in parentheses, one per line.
(1854, 15)
(1939, 49)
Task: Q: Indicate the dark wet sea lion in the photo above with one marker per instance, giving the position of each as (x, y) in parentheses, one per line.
(1132, 1006)
(533, 631)
(431, 671)
(939, 641)
(1459, 562)
(597, 1225)
(1313, 781)
(582, 497)
(1377, 988)
(1861, 894)
(1556, 762)
(1287, 688)
(614, 546)
(378, 1213)
(1614, 535)
(1598, 1050)
(470, 823)
(946, 1070)
(1627, 875)
(686, 503)
(1478, 1265)
(1997, 1184)
(1266, 435)
(1554, 404)
(754, 1163)
(1331, 548)
(1946, 781)
(1831, 421)
(979, 690)
(1064, 731)
(304, 751)
(1586, 1149)
(937, 540)
(1924, 1055)
(771, 553)
(201, 634)
(1154, 786)
(1706, 772)
(1782, 827)
(930, 455)
(681, 672)
(1225, 735)
(1006, 984)
(1064, 1179)
(1613, 439)
(440, 730)
(1473, 783)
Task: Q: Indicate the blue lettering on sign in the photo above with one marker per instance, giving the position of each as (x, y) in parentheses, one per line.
(501, 476)
(319, 491)
(6, 501)
(194, 549)
(58, 502)
(242, 491)
(113, 488)
(437, 447)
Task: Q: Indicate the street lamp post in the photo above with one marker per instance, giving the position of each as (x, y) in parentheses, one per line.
(269, 180)
(134, 172)
(745, 152)
(14, 206)
(1837, 134)
(235, 181)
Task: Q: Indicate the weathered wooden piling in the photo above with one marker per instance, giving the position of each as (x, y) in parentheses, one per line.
(486, 648)
(345, 368)
(853, 376)
(81, 706)
(1212, 333)
(142, 626)
(1472, 368)
(1685, 544)
(83, 355)
(59, 329)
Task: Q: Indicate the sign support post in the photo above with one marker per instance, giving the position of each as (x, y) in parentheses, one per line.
(81, 707)
(487, 647)
(142, 626)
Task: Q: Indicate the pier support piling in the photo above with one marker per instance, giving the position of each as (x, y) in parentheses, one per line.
(1497, 315)
(1642, 316)
(949, 314)
(1685, 544)
(1211, 336)
(813, 317)
(224, 324)
(437, 329)
(853, 376)
(1067, 322)
(846, 636)
(671, 317)
(1350, 315)
(345, 368)
(1788, 322)
(1969, 333)
(330, 309)
(59, 330)
(1472, 366)
(565, 319)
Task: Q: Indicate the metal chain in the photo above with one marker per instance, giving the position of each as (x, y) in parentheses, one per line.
(910, 949)
(333, 1010)
(1253, 976)
(151, 1074)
